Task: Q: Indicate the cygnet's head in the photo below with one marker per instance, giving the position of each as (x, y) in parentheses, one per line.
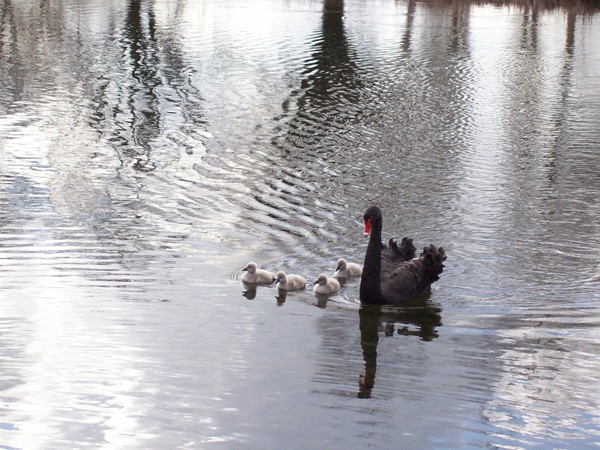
(281, 276)
(321, 279)
(251, 267)
(341, 264)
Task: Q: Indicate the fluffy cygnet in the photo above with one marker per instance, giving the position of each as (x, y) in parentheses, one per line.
(257, 276)
(325, 285)
(290, 282)
(346, 270)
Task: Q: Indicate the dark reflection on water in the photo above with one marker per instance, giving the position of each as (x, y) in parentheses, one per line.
(149, 150)
(377, 319)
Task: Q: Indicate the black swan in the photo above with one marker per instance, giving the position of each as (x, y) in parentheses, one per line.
(392, 275)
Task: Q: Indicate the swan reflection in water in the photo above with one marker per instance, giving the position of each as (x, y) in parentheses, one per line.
(249, 291)
(321, 299)
(281, 296)
(390, 320)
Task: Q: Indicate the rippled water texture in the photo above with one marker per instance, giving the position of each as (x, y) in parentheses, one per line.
(150, 149)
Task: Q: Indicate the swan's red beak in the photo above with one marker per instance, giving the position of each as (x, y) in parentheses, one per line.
(367, 228)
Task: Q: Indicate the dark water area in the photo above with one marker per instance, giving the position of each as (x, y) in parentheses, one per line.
(150, 149)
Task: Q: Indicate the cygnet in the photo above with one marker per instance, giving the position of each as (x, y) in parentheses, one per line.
(346, 270)
(290, 282)
(257, 276)
(325, 285)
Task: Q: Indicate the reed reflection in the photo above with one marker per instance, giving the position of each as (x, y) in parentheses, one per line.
(375, 319)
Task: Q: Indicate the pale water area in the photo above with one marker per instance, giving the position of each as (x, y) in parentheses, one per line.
(150, 149)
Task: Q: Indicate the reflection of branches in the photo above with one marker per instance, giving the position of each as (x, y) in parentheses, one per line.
(177, 73)
(135, 109)
(375, 319)
(144, 105)
(130, 111)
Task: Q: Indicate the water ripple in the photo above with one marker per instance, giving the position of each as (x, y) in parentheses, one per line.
(146, 161)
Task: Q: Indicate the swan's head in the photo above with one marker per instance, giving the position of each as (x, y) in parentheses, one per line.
(321, 279)
(250, 267)
(372, 214)
(281, 276)
(341, 264)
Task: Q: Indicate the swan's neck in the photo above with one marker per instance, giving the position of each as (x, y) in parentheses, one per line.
(370, 281)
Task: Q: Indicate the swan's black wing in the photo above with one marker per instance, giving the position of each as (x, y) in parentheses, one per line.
(432, 261)
(393, 255)
(403, 252)
(403, 281)
(408, 278)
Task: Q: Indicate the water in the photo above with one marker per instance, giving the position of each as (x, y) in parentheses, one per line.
(149, 150)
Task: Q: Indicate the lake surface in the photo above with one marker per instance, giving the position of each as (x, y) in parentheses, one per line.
(150, 149)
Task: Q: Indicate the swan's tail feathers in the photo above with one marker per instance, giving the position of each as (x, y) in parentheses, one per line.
(405, 251)
(432, 262)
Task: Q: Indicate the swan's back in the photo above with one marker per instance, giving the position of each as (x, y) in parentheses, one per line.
(403, 281)
(408, 278)
(394, 255)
